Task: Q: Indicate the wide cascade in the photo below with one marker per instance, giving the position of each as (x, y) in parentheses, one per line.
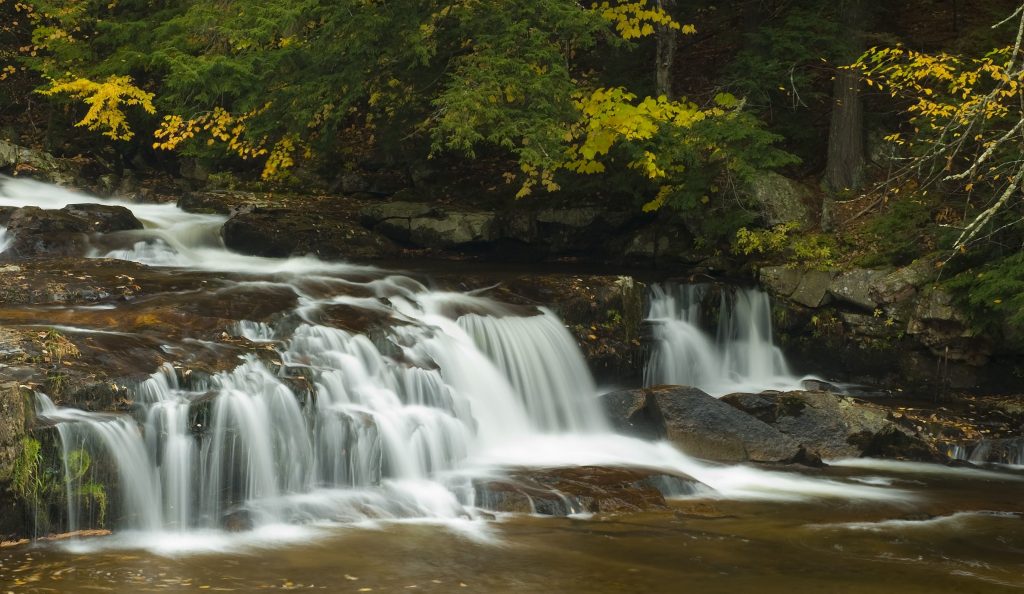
(740, 357)
(339, 414)
(323, 424)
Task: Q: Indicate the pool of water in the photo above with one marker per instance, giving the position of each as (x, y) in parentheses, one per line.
(962, 532)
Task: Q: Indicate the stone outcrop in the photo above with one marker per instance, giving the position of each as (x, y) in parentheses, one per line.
(23, 161)
(281, 232)
(781, 199)
(64, 232)
(698, 424)
(13, 423)
(834, 426)
(882, 326)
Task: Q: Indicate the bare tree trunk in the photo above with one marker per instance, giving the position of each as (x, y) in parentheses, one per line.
(667, 39)
(844, 170)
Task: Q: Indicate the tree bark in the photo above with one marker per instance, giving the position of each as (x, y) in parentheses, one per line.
(667, 39)
(844, 170)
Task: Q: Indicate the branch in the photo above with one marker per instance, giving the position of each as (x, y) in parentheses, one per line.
(979, 221)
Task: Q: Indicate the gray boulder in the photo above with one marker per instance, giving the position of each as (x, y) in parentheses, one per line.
(64, 232)
(781, 199)
(833, 426)
(28, 162)
(282, 232)
(698, 424)
(854, 287)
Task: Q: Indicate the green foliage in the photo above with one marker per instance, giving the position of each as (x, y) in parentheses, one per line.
(904, 231)
(786, 242)
(28, 477)
(993, 295)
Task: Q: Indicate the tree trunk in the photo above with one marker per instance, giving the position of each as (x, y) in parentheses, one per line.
(667, 39)
(844, 170)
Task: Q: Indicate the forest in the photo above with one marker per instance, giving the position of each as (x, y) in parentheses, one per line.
(512, 295)
(900, 123)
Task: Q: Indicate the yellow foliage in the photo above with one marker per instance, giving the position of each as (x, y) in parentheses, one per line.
(943, 86)
(611, 116)
(219, 125)
(105, 100)
(637, 18)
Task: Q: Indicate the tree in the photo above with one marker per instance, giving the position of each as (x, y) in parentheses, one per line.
(844, 170)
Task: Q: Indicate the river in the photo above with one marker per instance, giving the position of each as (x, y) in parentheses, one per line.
(350, 459)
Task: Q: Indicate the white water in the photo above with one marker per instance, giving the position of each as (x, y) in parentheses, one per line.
(355, 430)
(741, 357)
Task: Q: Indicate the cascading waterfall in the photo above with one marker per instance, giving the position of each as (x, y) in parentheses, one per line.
(5, 240)
(346, 429)
(741, 357)
(363, 420)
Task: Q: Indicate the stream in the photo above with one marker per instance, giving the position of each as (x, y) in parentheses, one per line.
(351, 415)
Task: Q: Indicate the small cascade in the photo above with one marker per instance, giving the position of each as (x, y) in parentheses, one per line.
(1008, 451)
(740, 357)
(5, 240)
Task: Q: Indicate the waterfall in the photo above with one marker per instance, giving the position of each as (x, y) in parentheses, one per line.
(740, 357)
(327, 425)
(339, 414)
(5, 240)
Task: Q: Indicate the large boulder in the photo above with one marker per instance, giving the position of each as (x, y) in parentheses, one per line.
(854, 287)
(806, 287)
(426, 226)
(781, 199)
(698, 424)
(283, 232)
(64, 232)
(834, 426)
(23, 161)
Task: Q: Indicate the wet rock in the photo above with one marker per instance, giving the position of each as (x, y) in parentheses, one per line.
(453, 229)
(239, 520)
(282, 232)
(585, 489)
(853, 287)
(374, 214)
(698, 424)
(659, 245)
(205, 203)
(834, 426)
(809, 288)
(901, 284)
(13, 421)
(193, 170)
(945, 330)
(781, 199)
(426, 226)
(813, 288)
(64, 232)
(23, 161)
(12, 427)
(104, 218)
(630, 414)
(894, 443)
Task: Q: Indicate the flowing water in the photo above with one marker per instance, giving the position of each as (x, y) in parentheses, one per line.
(740, 357)
(343, 453)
